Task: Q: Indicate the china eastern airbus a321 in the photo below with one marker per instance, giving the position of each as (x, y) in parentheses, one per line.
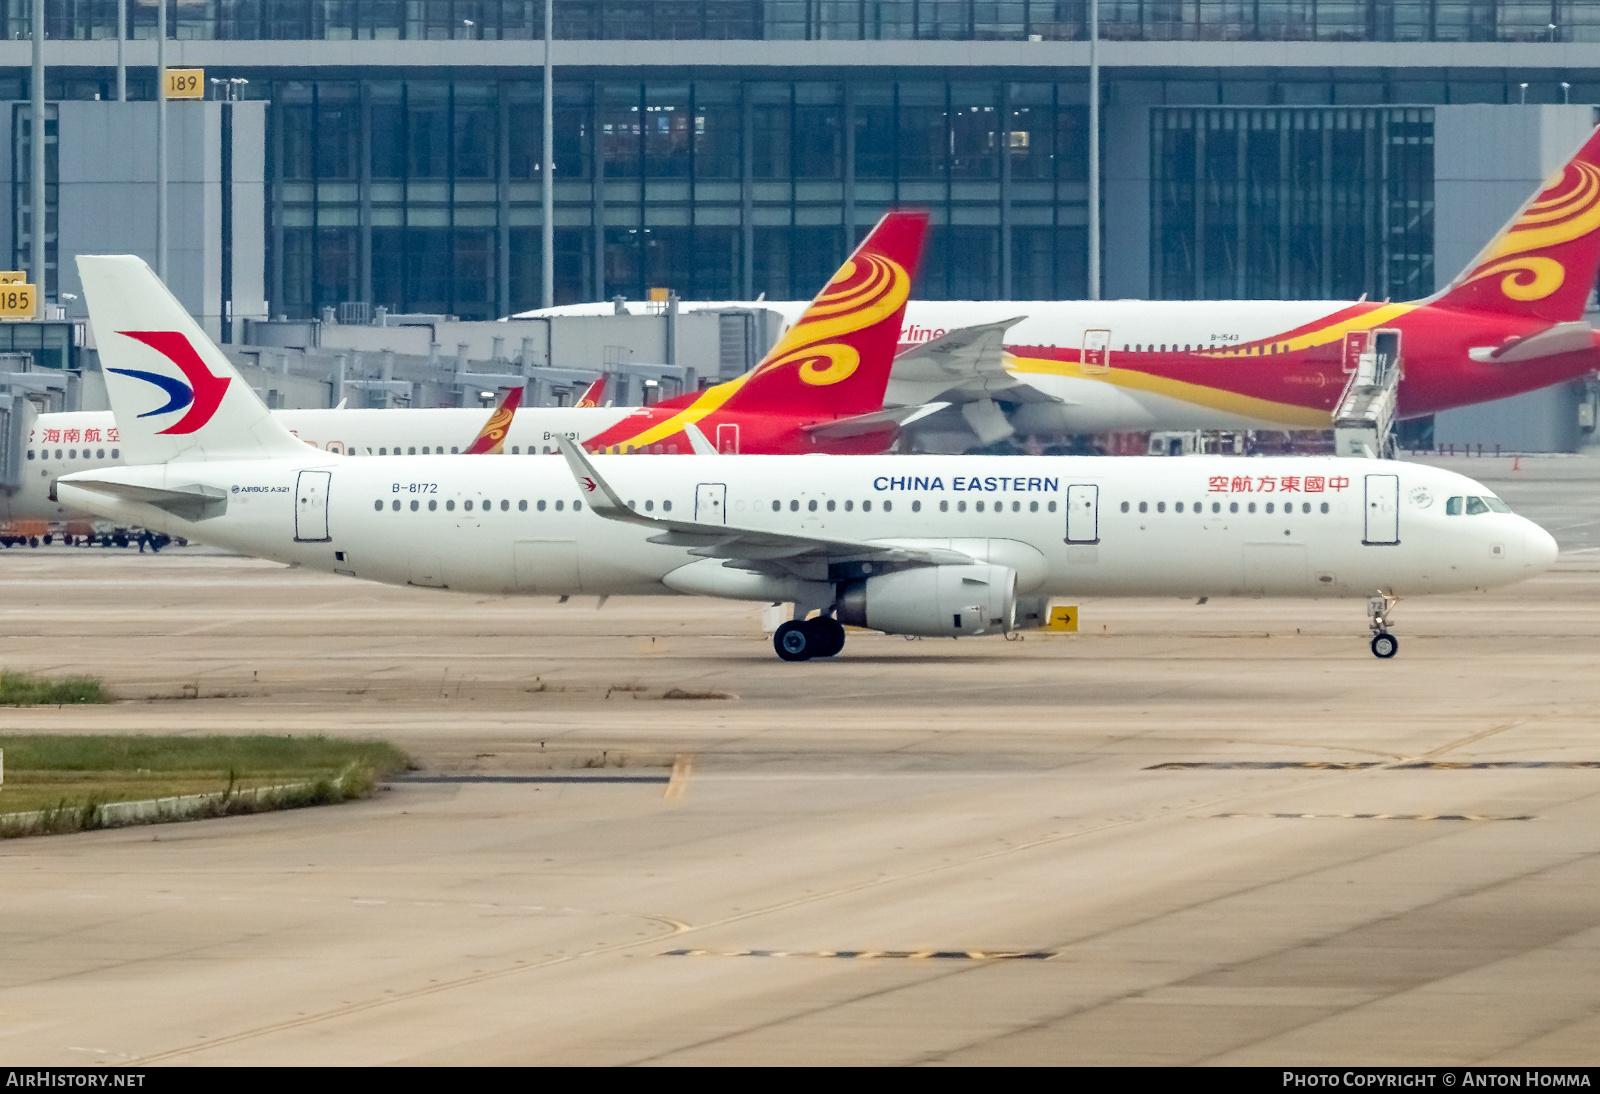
(1511, 322)
(918, 545)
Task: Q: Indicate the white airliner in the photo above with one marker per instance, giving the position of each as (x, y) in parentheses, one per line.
(917, 545)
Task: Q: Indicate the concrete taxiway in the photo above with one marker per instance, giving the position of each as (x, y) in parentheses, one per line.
(1218, 833)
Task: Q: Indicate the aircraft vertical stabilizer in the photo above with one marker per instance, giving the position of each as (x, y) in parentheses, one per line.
(1543, 263)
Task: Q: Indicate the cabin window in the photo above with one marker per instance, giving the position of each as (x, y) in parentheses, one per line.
(1233, 507)
(115, 452)
(944, 506)
(505, 505)
(515, 449)
(467, 505)
(377, 505)
(978, 505)
(30, 451)
(1305, 507)
(1144, 507)
(649, 506)
(58, 453)
(794, 506)
(1177, 507)
(522, 506)
(432, 505)
(99, 453)
(453, 449)
(916, 507)
(539, 505)
(812, 505)
(831, 504)
(1324, 507)
(1161, 507)
(1033, 507)
(849, 505)
(961, 507)
(381, 451)
(777, 505)
(1052, 507)
(1269, 507)
(866, 507)
(450, 507)
(395, 505)
(1252, 507)
(1185, 345)
(887, 505)
(576, 506)
(558, 505)
(415, 506)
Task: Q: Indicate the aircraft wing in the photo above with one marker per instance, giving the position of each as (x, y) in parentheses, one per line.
(1574, 337)
(192, 503)
(857, 424)
(965, 364)
(811, 557)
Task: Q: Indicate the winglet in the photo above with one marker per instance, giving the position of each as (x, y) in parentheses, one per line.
(698, 441)
(596, 491)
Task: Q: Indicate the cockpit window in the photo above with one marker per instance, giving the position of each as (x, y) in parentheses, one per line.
(1476, 507)
(1497, 505)
(1452, 508)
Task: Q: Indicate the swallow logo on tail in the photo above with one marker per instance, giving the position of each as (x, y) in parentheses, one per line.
(202, 395)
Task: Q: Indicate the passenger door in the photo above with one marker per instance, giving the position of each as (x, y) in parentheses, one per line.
(311, 506)
(1096, 351)
(1083, 514)
(711, 503)
(1382, 528)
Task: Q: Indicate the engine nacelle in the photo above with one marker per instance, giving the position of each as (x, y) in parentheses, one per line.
(933, 601)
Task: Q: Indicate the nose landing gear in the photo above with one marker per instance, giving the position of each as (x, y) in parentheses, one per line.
(803, 639)
(1384, 644)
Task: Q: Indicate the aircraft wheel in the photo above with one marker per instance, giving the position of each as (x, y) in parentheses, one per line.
(828, 634)
(33, 541)
(1385, 645)
(795, 641)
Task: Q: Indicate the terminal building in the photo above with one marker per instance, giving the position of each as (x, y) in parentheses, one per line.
(388, 155)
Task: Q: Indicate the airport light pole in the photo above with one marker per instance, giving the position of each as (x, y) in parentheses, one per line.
(1094, 150)
(36, 271)
(161, 141)
(122, 65)
(547, 227)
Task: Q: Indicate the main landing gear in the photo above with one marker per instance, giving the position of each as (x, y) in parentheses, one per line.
(803, 639)
(1384, 644)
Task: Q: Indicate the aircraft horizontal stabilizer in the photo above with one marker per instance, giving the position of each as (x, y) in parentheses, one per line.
(1574, 337)
(968, 361)
(192, 503)
(808, 557)
(857, 424)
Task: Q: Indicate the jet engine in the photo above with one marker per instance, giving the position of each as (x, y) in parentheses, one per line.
(933, 601)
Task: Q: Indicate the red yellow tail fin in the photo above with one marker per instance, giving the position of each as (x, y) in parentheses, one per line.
(491, 439)
(836, 358)
(1543, 263)
(593, 393)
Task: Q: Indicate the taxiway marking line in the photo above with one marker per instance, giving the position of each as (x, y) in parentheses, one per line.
(678, 784)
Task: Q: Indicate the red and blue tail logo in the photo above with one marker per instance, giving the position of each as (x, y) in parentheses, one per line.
(202, 395)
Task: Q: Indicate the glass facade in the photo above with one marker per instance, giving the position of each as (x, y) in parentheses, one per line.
(959, 20)
(1291, 204)
(424, 195)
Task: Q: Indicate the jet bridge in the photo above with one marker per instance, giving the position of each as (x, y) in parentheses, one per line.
(24, 391)
(1364, 420)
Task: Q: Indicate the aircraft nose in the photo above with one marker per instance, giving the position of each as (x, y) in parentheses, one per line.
(1538, 548)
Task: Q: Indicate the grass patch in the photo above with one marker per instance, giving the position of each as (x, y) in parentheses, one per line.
(69, 778)
(21, 689)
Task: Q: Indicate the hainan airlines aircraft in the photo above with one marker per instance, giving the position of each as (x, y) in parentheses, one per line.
(1511, 322)
(950, 546)
(820, 389)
